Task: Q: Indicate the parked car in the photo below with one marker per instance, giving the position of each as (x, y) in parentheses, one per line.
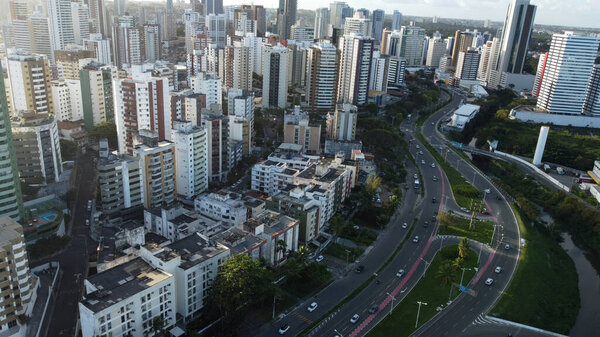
(354, 318)
(87, 222)
(507, 247)
(312, 307)
(485, 212)
(319, 258)
(284, 329)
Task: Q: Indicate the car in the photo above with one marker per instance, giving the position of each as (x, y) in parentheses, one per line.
(359, 269)
(354, 318)
(312, 307)
(426, 224)
(434, 178)
(489, 281)
(432, 123)
(284, 329)
(373, 309)
(416, 176)
(433, 200)
(319, 258)
(87, 222)
(485, 212)
(400, 273)
(416, 239)
(420, 152)
(404, 225)
(498, 270)
(433, 165)
(357, 227)
(418, 147)
(464, 209)
(422, 162)
(507, 247)
(487, 191)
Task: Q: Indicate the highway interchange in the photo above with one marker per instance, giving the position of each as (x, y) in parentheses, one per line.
(466, 314)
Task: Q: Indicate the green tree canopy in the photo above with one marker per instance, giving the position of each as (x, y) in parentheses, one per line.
(106, 130)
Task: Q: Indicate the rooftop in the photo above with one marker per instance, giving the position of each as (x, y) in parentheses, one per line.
(121, 282)
(238, 241)
(195, 249)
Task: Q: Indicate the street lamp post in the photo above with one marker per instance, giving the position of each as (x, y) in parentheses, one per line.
(463, 275)
(480, 249)
(426, 266)
(474, 173)
(391, 302)
(493, 234)
(274, 297)
(418, 312)
(337, 332)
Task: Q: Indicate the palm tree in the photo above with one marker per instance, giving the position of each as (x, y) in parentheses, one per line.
(302, 255)
(463, 248)
(458, 263)
(281, 247)
(446, 273)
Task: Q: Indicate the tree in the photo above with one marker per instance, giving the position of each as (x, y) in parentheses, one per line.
(159, 326)
(338, 223)
(502, 114)
(458, 263)
(106, 130)
(240, 283)
(68, 149)
(463, 248)
(372, 184)
(445, 273)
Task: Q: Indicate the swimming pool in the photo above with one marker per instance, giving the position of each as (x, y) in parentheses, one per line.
(48, 216)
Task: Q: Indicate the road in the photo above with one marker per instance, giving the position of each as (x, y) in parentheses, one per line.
(74, 259)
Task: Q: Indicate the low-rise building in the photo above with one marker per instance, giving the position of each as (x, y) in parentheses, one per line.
(119, 181)
(463, 115)
(223, 205)
(125, 300)
(279, 231)
(194, 261)
(293, 201)
(176, 222)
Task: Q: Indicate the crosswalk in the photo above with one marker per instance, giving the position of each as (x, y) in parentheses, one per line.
(302, 318)
(483, 319)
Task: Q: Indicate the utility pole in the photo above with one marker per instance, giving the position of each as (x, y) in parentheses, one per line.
(391, 302)
(418, 312)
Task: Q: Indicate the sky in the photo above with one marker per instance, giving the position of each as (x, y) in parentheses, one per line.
(581, 13)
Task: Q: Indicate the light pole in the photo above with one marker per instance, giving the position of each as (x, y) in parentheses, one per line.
(474, 172)
(493, 234)
(426, 266)
(337, 332)
(480, 249)
(441, 242)
(418, 312)
(274, 297)
(463, 274)
(391, 302)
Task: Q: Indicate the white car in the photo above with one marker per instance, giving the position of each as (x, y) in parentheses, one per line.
(489, 281)
(418, 147)
(487, 191)
(416, 176)
(319, 258)
(422, 162)
(507, 247)
(433, 165)
(498, 270)
(416, 239)
(87, 222)
(284, 329)
(400, 273)
(354, 319)
(312, 307)
(404, 225)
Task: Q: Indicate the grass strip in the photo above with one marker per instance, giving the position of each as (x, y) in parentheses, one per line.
(481, 230)
(429, 290)
(544, 291)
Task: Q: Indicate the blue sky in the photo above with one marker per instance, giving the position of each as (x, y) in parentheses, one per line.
(555, 12)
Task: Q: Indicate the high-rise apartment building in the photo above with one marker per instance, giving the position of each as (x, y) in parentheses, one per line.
(377, 19)
(98, 18)
(66, 95)
(11, 203)
(467, 65)
(80, 19)
(32, 34)
(157, 164)
(286, 18)
(321, 76)
(462, 42)
(241, 103)
(68, 61)
(215, 24)
(260, 16)
(97, 93)
(61, 23)
(275, 76)
(190, 159)
(591, 102)
(411, 45)
(242, 65)
(355, 65)
(358, 24)
(518, 26)
(37, 148)
(435, 50)
(396, 20)
(303, 34)
(101, 48)
(141, 103)
(18, 283)
(30, 82)
(567, 73)
(213, 7)
(209, 85)
(298, 130)
(488, 60)
(120, 7)
(152, 42)
(321, 22)
(336, 17)
(344, 121)
(217, 135)
(128, 43)
(379, 72)
(539, 74)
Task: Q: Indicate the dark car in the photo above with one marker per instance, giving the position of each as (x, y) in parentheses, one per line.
(359, 269)
(433, 200)
(426, 224)
(373, 309)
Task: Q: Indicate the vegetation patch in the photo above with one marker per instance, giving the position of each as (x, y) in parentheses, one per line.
(343, 252)
(544, 291)
(473, 229)
(433, 289)
(47, 246)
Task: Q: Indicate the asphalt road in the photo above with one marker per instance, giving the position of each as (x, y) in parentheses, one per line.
(74, 259)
